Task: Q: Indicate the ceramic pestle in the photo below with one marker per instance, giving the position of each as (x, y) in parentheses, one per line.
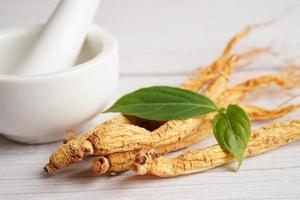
(61, 39)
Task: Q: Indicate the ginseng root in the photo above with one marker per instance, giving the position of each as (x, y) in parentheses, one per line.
(200, 128)
(121, 161)
(126, 134)
(119, 135)
(262, 140)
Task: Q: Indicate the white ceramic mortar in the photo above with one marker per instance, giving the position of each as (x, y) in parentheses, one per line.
(39, 108)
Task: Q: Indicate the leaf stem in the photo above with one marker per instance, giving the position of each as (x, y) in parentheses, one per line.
(221, 110)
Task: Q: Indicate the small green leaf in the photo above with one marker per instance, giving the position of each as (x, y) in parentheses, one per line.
(232, 129)
(163, 103)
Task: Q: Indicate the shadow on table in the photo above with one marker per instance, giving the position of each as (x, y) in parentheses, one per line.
(5, 141)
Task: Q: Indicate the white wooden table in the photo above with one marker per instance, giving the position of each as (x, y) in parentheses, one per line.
(160, 42)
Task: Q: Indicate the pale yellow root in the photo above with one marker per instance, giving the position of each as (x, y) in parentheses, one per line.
(121, 161)
(259, 114)
(171, 136)
(99, 141)
(76, 149)
(242, 90)
(262, 140)
(249, 57)
(117, 138)
(212, 71)
(113, 163)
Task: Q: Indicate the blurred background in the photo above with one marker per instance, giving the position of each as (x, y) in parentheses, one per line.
(154, 33)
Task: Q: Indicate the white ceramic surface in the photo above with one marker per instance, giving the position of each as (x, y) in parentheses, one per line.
(38, 109)
(61, 39)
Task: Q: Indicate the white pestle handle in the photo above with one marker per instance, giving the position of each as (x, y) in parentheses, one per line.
(61, 40)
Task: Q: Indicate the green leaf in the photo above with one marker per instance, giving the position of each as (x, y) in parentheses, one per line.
(163, 103)
(232, 129)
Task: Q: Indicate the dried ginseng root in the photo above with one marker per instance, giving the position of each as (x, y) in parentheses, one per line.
(201, 127)
(262, 140)
(258, 114)
(130, 131)
(121, 161)
(212, 72)
(135, 137)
